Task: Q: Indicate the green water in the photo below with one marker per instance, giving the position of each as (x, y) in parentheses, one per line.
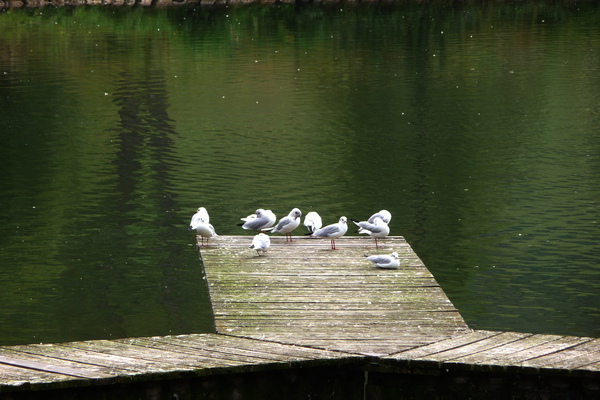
(476, 125)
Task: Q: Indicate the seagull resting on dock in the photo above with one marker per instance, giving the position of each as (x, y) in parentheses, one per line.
(261, 242)
(200, 223)
(333, 231)
(385, 215)
(287, 224)
(260, 221)
(377, 229)
(313, 221)
(200, 213)
(385, 261)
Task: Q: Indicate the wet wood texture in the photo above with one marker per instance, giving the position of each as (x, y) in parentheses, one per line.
(307, 294)
(491, 351)
(99, 362)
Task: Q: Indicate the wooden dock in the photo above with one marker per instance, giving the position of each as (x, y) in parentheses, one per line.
(306, 294)
(307, 321)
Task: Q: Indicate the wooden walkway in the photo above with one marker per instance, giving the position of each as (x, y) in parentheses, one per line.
(304, 293)
(103, 362)
(304, 307)
(489, 351)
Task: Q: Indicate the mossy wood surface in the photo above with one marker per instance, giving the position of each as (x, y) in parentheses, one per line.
(305, 293)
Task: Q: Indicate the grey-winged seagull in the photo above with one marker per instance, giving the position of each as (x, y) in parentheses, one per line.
(377, 229)
(333, 231)
(263, 219)
(288, 223)
(385, 215)
(385, 261)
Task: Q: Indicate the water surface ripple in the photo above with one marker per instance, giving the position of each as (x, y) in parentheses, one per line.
(476, 125)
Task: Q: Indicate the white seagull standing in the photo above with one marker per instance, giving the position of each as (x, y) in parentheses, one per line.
(200, 223)
(377, 229)
(313, 221)
(333, 231)
(385, 261)
(262, 220)
(385, 215)
(287, 224)
(200, 213)
(261, 242)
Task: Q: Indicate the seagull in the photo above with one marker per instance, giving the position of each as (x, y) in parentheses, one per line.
(203, 228)
(385, 215)
(287, 224)
(376, 229)
(261, 242)
(385, 261)
(260, 221)
(200, 213)
(313, 221)
(333, 231)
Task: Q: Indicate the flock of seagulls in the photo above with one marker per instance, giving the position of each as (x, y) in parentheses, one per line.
(264, 221)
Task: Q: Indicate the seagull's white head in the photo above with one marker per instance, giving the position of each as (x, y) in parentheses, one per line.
(296, 213)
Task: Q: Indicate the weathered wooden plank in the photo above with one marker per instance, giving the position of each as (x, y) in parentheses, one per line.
(564, 352)
(124, 367)
(353, 342)
(52, 365)
(552, 345)
(155, 359)
(472, 350)
(252, 294)
(378, 319)
(369, 318)
(106, 361)
(444, 345)
(494, 347)
(510, 351)
(12, 376)
(581, 357)
(65, 352)
(593, 367)
(260, 349)
(250, 352)
(322, 309)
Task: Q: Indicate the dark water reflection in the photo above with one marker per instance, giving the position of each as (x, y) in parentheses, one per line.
(476, 125)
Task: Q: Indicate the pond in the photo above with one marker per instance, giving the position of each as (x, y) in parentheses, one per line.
(476, 124)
